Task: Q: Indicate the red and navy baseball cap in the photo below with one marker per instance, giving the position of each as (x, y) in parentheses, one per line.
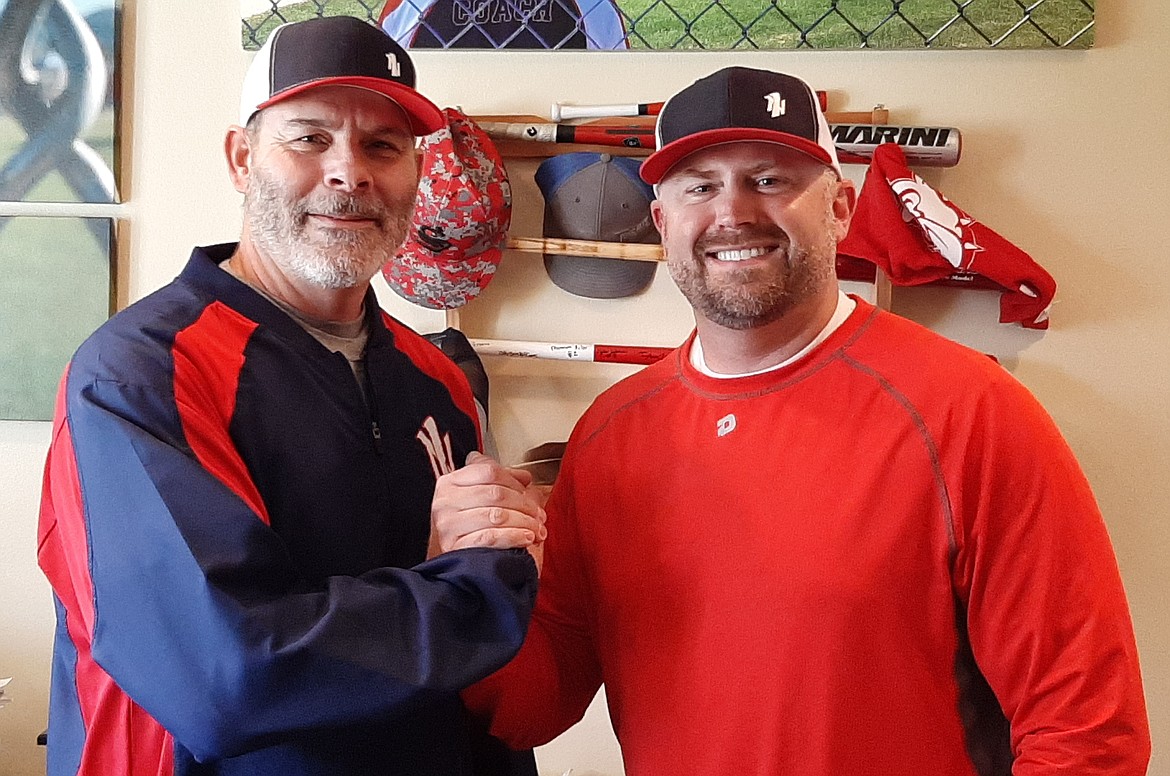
(335, 50)
(736, 104)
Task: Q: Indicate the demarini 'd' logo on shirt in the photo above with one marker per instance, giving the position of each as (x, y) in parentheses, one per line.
(725, 425)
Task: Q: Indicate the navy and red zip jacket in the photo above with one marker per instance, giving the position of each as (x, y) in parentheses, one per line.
(236, 542)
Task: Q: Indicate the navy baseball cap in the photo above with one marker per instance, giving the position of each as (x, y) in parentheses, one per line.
(590, 196)
(335, 50)
(735, 104)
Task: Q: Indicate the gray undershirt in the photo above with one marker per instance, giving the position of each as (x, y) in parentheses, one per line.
(348, 338)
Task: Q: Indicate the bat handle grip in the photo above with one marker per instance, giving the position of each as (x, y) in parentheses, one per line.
(505, 130)
(628, 354)
(561, 112)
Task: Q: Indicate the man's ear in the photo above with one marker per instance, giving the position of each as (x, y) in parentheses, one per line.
(238, 148)
(656, 215)
(844, 205)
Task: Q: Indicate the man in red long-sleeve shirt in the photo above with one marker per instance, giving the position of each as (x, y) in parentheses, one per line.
(817, 540)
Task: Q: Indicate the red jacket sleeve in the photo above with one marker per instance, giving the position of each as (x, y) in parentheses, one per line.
(548, 686)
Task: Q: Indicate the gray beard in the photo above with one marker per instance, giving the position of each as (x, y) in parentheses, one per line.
(334, 260)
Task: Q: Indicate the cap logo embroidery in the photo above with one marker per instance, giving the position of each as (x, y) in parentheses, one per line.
(393, 66)
(777, 106)
(434, 238)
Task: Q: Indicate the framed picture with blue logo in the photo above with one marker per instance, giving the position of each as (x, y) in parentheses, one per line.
(614, 25)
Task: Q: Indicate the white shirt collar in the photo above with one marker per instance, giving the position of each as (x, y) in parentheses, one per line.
(845, 306)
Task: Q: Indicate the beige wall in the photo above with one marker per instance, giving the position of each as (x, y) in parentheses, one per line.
(1067, 154)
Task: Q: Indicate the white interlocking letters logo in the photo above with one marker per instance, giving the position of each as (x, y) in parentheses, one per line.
(393, 66)
(438, 447)
(777, 105)
(725, 425)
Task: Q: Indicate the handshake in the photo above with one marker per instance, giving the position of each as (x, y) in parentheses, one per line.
(487, 504)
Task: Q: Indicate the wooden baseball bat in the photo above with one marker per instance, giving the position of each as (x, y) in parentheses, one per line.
(848, 268)
(588, 248)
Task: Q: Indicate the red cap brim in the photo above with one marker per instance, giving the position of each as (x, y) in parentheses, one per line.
(661, 161)
(425, 117)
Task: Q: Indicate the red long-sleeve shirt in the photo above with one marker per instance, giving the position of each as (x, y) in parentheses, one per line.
(880, 560)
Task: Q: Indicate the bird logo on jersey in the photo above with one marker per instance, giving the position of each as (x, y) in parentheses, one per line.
(918, 236)
(946, 227)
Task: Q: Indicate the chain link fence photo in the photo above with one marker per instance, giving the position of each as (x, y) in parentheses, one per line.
(699, 24)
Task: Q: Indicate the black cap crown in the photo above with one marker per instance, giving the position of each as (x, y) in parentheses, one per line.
(337, 50)
(740, 103)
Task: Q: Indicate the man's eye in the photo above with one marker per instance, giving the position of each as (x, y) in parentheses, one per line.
(699, 188)
(310, 139)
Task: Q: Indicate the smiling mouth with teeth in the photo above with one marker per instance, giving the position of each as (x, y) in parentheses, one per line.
(739, 255)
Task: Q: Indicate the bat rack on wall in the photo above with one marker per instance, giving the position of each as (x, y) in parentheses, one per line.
(531, 136)
(628, 130)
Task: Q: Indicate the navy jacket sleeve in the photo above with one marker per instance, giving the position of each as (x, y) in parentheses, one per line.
(192, 604)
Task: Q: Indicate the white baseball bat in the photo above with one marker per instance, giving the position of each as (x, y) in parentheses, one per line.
(567, 351)
(563, 112)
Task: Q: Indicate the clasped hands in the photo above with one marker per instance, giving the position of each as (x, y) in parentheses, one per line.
(487, 504)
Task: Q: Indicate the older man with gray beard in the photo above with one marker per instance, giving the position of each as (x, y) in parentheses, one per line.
(251, 567)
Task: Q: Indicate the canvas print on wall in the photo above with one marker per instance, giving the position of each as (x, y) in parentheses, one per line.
(699, 24)
(57, 103)
(55, 289)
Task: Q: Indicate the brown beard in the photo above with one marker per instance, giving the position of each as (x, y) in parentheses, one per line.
(755, 296)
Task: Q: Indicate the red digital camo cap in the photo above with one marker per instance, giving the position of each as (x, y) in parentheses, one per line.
(335, 51)
(736, 104)
(461, 218)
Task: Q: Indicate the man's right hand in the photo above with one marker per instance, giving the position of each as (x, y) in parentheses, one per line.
(485, 504)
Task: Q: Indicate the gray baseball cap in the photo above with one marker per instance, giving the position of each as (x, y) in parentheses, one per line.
(590, 196)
